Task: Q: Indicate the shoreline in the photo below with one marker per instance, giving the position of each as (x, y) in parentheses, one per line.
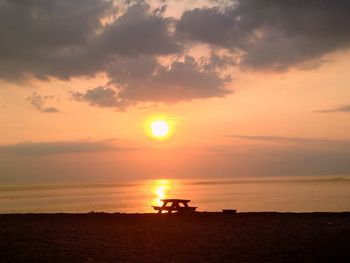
(187, 214)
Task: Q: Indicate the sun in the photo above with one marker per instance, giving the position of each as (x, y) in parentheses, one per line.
(159, 128)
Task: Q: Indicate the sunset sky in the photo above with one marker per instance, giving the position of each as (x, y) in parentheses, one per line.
(250, 87)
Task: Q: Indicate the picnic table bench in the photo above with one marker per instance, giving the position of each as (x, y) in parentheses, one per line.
(174, 205)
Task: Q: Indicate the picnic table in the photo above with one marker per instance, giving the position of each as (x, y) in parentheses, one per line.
(174, 205)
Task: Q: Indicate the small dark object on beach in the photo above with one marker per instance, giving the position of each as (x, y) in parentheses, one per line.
(229, 211)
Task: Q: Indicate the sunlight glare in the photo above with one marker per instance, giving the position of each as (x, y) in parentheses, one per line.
(159, 127)
(160, 191)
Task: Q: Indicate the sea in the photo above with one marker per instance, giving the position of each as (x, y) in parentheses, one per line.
(281, 194)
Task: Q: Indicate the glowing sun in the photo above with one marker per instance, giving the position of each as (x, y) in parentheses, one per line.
(159, 128)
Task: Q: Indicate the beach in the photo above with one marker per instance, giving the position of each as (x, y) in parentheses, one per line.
(196, 237)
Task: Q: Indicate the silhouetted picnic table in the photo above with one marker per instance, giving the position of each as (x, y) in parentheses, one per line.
(175, 205)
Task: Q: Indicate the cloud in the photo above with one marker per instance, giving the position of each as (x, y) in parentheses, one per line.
(60, 147)
(126, 40)
(140, 30)
(144, 79)
(100, 96)
(273, 138)
(39, 101)
(271, 34)
(281, 139)
(345, 108)
(67, 38)
(145, 53)
(50, 38)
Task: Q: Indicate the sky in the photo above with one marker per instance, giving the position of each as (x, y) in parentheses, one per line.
(251, 87)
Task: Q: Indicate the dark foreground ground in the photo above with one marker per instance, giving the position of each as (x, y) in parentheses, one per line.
(201, 237)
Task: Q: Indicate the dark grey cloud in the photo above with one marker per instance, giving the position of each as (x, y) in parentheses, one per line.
(140, 30)
(209, 25)
(345, 108)
(271, 34)
(60, 147)
(69, 38)
(130, 40)
(66, 38)
(218, 62)
(39, 102)
(144, 79)
(50, 38)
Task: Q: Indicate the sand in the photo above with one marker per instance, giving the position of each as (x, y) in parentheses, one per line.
(199, 237)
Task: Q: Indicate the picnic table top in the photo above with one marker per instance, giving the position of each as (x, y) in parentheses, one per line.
(175, 200)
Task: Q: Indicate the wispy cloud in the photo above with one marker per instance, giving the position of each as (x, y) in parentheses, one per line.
(281, 139)
(100, 96)
(269, 138)
(39, 101)
(344, 108)
(62, 147)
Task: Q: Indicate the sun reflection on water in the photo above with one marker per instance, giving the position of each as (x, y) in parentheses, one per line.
(160, 190)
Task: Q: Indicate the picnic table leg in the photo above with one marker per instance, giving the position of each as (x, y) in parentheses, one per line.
(172, 207)
(163, 206)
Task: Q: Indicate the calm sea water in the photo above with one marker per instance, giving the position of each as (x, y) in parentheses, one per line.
(262, 194)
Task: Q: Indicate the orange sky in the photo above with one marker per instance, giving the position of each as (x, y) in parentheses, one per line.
(271, 124)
